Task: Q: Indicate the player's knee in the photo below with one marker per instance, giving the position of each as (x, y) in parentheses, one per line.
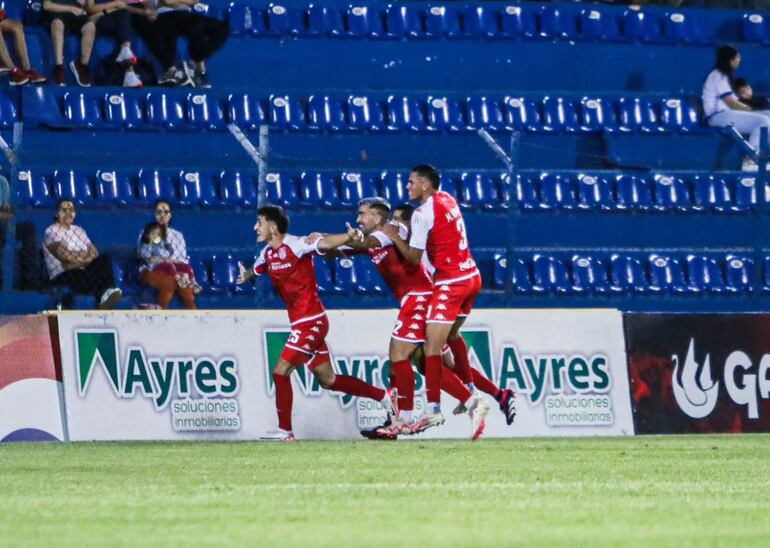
(283, 368)
(326, 381)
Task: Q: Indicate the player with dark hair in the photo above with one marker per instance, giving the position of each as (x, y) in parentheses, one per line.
(288, 260)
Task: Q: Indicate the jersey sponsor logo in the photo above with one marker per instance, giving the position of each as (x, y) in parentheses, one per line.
(467, 264)
(279, 266)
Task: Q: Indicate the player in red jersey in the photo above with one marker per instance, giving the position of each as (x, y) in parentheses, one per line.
(438, 228)
(412, 285)
(288, 260)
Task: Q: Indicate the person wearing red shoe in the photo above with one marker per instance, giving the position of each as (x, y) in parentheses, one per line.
(70, 15)
(18, 76)
(288, 260)
(112, 18)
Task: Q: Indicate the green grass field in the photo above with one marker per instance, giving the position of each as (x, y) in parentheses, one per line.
(694, 490)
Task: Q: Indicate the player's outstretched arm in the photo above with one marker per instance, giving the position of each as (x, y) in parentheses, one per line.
(411, 254)
(353, 238)
(244, 274)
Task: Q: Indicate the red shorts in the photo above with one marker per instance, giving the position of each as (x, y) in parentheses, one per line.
(307, 343)
(451, 301)
(410, 326)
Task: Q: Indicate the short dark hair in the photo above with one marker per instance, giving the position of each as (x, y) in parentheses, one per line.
(381, 205)
(428, 172)
(60, 201)
(406, 211)
(149, 227)
(276, 214)
(161, 201)
(739, 83)
(725, 55)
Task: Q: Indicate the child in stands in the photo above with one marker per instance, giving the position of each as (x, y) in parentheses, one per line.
(746, 95)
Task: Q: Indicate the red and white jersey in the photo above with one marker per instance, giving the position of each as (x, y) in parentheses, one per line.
(402, 277)
(291, 270)
(439, 229)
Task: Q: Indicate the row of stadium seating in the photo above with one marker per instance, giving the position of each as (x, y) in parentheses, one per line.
(481, 21)
(94, 109)
(588, 274)
(482, 190)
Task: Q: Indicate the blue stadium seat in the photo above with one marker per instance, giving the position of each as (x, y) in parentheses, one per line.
(525, 192)
(712, 192)
(633, 192)
(286, 113)
(596, 115)
(345, 280)
(678, 27)
(363, 22)
(478, 191)
(74, 185)
(282, 190)
(114, 188)
(556, 192)
(224, 273)
(598, 25)
(124, 110)
(480, 21)
(627, 274)
(239, 17)
(155, 185)
(521, 114)
(594, 192)
(745, 193)
(325, 114)
(766, 274)
(518, 22)
(368, 279)
(678, 115)
(638, 115)
(704, 274)
(403, 22)
(443, 22)
(322, 20)
(238, 188)
(356, 186)
(201, 271)
(394, 187)
(364, 114)
(641, 26)
(197, 188)
(484, 112)
(589, 275)
(246, 111)
(739, 274)
(754, 28)
(550, 274)
(165, 111)
(671, 193)
(205, 112)
(323, 275)
(33, 189)
(83, 110)
(559, 115)
(666, 275)
(8, 111)
(444, 114)
(557, 24)
(318, 189)
(281, 20)
(521, 278)
(405, 114)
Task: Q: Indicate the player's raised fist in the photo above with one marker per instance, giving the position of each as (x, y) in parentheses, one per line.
(354, 234)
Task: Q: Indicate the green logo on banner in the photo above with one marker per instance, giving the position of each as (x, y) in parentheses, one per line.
(101, 346)
(275, 340)
(479, 343)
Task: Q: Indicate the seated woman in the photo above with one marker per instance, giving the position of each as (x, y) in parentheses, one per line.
(72, 260)
(162, 255)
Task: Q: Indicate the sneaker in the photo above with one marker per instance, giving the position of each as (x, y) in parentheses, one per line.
(197, 288)
(167, 80)
(81, 74)
(427, 421)
(58, 75)
(508, 405)
(131, 80)
(201, 80)
(393, 430)
(392, 394)
(460, 409)
(749, 165)
(126, 57)
(110, 298)
(478, 412)
(372, 434)
(4, 71)
(182, 80)
(279, 435)
(35, 77)
(19, 77)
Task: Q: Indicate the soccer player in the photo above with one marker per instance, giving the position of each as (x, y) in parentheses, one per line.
(438, 228)
(288, 260)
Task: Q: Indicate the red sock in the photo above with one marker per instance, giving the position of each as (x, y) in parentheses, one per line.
(433, 367)
(462, 365)
(404, 383)
(481, 382)
(284, 399)
(452, 385)
(356, 387)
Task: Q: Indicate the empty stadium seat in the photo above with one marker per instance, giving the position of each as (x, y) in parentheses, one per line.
(557, 24)
(681, 27)
(633, 192)
(323, 275)
(322, 20)
(394, 187)
(165, 111)
(704, 274)
(238, 188)
(287, 113)
(480, 21)
(745, 193)
(281, 20)
(368, 279)
(239, 17)
(33, 189)
(597, 25)
(345, 279)
(197, 188)
(361, 21)
(671, 193)
(364, 114)
(478, 191)
(643, 26)
(589, 275)
(83, 110)
(556, 192)
(518, 21)
(405, 114)
(666, 275)
(201, 271)
(204, 112)
(550, 274)
(403, 22)
(246, 111)
(281, 190)
(594, 192)
(521, 114)
(754, 28)
(114, 188)
(484, 112)
(678, 115)
(8, 111)
(739, 274)
(712, 192)
(325, 114)
(355, 186)
(123, 110)
(444, 114)
(74, 185)
(627, 274)
(443, 22)
(155, 185)
(596, 115)
(524, 189)
(559, 115)
(224, 273)
(318, 189)
(636, 114)
(521, 278)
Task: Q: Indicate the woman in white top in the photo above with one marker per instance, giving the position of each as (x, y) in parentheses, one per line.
(722, 107)
(73, 260)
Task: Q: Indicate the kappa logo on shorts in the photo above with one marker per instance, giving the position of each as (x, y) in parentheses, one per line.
(440, 317)
(444, 288)
(315, 330)
(440, 307)
(414, 326)
(417, 317)
(306, 346)
(310, 338)
(443, 297)
(420, 299)
(411, 335)
(419, 307)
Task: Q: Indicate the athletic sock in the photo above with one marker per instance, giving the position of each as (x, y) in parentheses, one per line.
(433, 367)
(406, 416)
(356, 387)
(404, 382)
(462, 365)
(284, 399)
(452, 385)
(485, 385)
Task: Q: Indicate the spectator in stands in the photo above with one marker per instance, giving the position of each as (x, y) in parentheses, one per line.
(72, 16)
(72, 260)
(26, 73)
(746, 96)
(162, 254)
(113, 19)
(722, 107)
(164, 21)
